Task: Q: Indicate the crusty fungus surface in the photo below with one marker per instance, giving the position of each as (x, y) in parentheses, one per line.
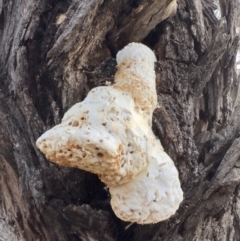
(153, 195)
(110, 134)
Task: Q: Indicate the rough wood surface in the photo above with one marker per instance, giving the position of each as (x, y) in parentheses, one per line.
(53, 52)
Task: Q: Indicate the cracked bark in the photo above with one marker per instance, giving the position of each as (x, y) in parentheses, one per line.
(54, 52)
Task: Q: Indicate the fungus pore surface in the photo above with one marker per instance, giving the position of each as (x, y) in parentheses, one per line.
(110, 134)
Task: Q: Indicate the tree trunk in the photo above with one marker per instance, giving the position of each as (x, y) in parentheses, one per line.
(53, 52)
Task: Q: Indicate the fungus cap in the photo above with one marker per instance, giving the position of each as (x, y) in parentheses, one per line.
(138, 52)
(136, 76)
(103, 134)
(154, 195)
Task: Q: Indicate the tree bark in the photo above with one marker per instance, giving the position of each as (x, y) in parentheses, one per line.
(54, 52)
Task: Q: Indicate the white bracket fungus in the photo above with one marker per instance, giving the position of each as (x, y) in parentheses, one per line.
(110, 134)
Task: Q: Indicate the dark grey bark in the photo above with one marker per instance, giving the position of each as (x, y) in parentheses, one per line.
(54, 52)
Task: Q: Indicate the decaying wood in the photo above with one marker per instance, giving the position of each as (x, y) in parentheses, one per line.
(54, 52)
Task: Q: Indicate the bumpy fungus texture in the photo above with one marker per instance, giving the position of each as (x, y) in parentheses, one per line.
(110, 134)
